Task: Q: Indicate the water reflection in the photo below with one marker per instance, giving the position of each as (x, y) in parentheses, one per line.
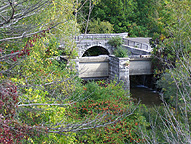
(147, 96)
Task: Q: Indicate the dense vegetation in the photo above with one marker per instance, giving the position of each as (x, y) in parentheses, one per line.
(43, 101)
(137, 17)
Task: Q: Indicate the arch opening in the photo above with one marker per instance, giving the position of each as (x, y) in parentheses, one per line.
(95, 51)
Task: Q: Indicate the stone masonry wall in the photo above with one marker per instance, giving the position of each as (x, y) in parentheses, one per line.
(119, 69)
(124, 72)
(113, 68)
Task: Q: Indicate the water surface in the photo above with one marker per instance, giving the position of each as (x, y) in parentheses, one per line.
(146, 95)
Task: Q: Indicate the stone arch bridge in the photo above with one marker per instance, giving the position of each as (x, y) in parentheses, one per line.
(136, 46)
(111, 67)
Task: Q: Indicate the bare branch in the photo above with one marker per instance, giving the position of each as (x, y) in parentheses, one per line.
(90, 124)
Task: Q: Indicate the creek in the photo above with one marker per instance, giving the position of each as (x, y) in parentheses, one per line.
(142, 89)
(139, 90)
(145, 95)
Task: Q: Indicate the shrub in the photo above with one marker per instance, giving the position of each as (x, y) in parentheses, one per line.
(110, 104)
(98, 26)
(115, 41)
(11, 129)
(120, 52)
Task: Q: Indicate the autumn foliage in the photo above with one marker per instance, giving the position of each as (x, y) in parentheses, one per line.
(11, 130)
(115, 111)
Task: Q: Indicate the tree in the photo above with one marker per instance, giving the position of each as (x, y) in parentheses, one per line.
(117, 12)
(97, 26)
(30, 37)
(36, 88)
(84, 16)
(115, 41)
(175, 116)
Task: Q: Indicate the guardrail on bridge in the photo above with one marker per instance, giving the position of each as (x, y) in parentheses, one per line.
(99, 36)
(136, 44)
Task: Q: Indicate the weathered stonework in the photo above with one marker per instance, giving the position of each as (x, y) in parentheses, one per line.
(83, 46)
(87, 41)
(113, 67)
(119, 68)
(135, 46)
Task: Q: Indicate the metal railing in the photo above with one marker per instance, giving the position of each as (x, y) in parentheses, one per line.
(136, 44)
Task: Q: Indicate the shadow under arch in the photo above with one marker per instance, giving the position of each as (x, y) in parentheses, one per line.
(96, 51)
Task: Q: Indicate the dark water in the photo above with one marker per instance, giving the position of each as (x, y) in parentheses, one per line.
(147, 96)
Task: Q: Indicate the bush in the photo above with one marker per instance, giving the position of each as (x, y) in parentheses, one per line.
(169, 89)
(11, 129)
(98, 26)
(120, 52)
(115, 41)
(114, 109)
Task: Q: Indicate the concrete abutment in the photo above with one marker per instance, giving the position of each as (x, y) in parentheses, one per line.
(110, 67)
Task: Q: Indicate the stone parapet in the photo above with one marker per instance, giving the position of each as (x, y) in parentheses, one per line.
(140, 66)
(93, 67)
(99, 36)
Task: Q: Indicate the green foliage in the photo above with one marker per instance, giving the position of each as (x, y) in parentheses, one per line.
(40, 79)
(162, 120)
(137, 30)
(117, 12)
(138, 18)
(173, 39)
(119, 51)
(93, 91)
(172, 50)
(50, 115)
(169, 88)
(174, 85)
(111, 101)
(47, 85)
(37, 81)
(157, 119)
(115, 41)
(98, 26)
(8, 108)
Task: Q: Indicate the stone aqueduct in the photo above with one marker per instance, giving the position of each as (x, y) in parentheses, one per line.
(111, 67)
